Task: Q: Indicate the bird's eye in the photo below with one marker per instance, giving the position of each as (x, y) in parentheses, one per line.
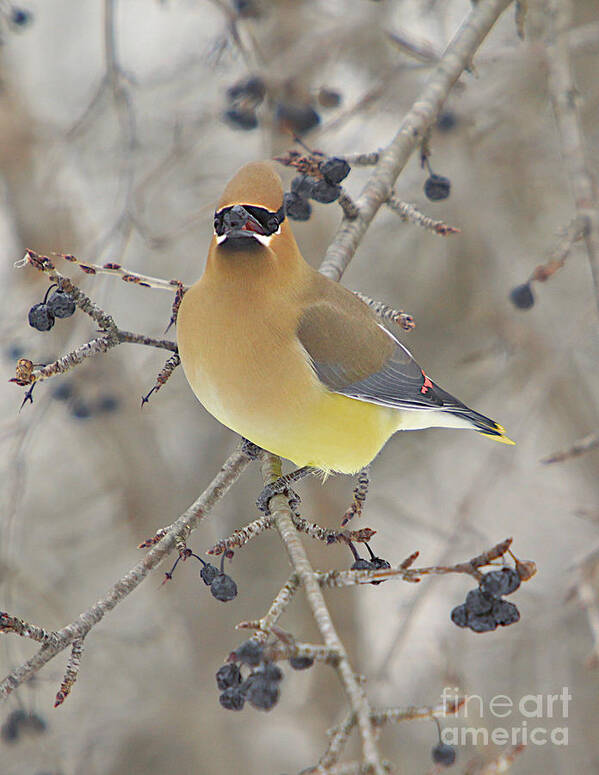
(272, 224)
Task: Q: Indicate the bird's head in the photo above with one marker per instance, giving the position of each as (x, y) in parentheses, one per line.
(251, 212)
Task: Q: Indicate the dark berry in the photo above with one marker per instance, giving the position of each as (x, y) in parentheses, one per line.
(500, 582)
(11, 729)
(208, 573)
(41, 317)
(505, 613)
(227, 676)
(63, 391)
(250, 653)
(301, 663)
(482, 623)
(80, 410)
(378, 562)
(522, 297)
(302, 185)
(299, 118)
(296, 207)
(446, 121)
(62, 304)
(335, 170)
(20, 17)
(270, 672)
(232, 699)
(223, 588)
(329, 98)
(478, 603)
(241, 119)
(247, 9)
(437, 187)
(362, 565)
(324, 192)
(459, 616)
(443, 754)
(107, 403)
(252, 87)
(263, 694)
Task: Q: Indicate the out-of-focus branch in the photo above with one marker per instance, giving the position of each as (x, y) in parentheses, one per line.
(564, 96)
(378, 189)
(587, 443)
(180, 529)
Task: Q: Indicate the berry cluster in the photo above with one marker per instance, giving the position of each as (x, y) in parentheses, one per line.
(260, 687)
(59, 305)
(485, 608)
(20, 721)
(244, 98)
(522, 297)
(323, 188)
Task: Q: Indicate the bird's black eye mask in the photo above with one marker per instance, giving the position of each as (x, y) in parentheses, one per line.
(247, 221)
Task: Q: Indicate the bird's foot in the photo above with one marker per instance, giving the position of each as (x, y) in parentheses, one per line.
(253, 451)
(263, 500)
(281, 487)
(360, 493)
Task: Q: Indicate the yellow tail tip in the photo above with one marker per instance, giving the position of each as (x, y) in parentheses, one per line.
(500, 436)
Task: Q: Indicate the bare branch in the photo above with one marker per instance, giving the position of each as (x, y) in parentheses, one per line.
(393, 158)
(565, 98)
(408, 212)
(184, 525)
(271, 471)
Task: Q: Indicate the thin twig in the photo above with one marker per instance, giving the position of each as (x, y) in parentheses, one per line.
(456, 59)
(127, 275)
(408, 212)
(71, 673)
(385, 312)
(181, 528)
(565, 98)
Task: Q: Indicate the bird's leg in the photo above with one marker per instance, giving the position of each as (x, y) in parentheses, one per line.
(281, 487)
(253, 451)
(360, 493)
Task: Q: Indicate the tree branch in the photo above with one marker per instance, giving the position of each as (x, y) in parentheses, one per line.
(565, 98)
(392, 160)
(184, 525)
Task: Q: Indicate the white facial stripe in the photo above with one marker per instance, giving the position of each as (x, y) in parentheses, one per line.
(263, 239)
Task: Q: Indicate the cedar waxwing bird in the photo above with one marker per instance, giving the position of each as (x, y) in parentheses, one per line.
(291, 360)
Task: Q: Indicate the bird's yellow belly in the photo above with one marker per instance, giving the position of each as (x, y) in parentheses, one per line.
(281, 406)
(329, 431)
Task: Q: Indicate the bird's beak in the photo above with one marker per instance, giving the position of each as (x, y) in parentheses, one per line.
(238, 226)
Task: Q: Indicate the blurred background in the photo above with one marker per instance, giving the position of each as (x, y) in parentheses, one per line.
(118, 130)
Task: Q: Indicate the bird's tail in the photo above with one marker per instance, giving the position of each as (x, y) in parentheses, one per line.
(476, 420)
(483, 424)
